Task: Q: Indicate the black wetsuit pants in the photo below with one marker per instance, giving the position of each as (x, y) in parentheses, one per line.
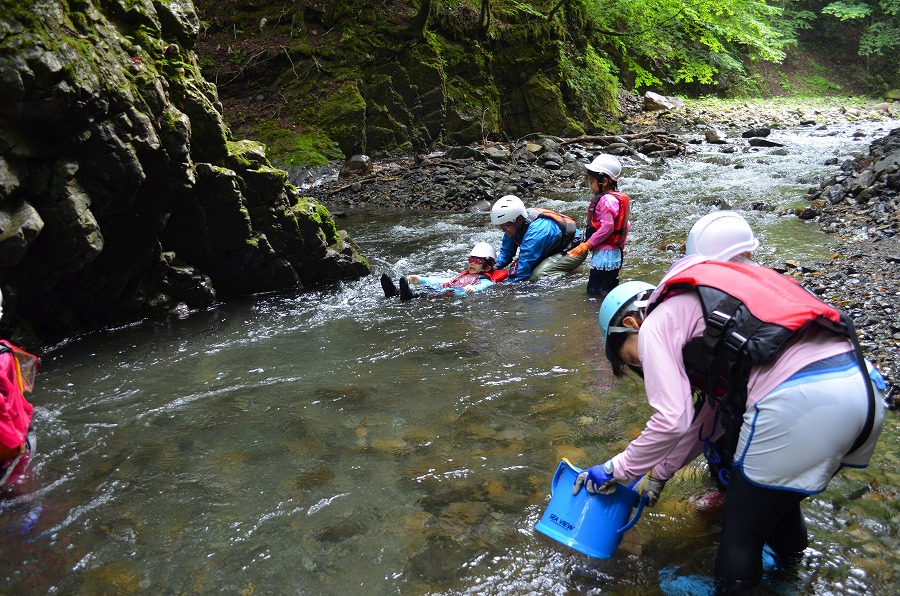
(755, 516)
(601, 282)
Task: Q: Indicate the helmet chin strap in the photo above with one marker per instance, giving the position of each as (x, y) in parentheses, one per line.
(637, 309)
(622, 330)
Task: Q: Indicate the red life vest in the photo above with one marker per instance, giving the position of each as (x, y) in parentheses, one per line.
(620, 222)
(748, 324)
(498, 275)
(755, 297)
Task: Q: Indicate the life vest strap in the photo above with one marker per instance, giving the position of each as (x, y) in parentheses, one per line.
(719, 362)
(870, 392)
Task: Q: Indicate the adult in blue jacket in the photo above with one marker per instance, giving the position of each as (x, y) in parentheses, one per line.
(540, 237)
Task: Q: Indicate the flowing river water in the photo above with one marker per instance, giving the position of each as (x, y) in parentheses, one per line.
(337, 442)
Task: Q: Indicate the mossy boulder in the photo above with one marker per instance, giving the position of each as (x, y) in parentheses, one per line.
(122, 192)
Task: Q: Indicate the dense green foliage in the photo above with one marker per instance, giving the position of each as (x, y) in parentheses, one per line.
(670, 43)
(880, 22)
(683, 41)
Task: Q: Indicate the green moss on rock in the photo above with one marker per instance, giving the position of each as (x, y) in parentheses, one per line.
(292, 148)
(309, 207)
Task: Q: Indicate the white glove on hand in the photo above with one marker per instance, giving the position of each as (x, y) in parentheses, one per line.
(652, 487)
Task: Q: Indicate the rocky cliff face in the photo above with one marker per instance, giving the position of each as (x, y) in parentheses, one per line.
(121, 191)
(320, 80)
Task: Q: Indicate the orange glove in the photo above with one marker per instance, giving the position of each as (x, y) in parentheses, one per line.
(580, 249)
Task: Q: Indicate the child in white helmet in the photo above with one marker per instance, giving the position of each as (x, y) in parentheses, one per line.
(478, 275)
(607, 225)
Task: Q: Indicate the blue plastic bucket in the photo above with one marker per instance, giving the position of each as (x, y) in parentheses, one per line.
(592, 524)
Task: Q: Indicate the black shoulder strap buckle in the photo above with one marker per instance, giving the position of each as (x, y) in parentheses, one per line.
(735, 341)
(716, 321)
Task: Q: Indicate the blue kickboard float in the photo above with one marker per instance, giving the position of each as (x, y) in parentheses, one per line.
(592, 524)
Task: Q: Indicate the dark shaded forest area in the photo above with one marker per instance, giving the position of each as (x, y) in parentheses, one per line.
(318, 80)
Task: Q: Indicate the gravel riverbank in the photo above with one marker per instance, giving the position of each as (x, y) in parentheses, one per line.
(860, 208)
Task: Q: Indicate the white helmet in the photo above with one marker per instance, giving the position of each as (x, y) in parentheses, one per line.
(483, 250)
(507, 209)
(721, 235)
(606, 164)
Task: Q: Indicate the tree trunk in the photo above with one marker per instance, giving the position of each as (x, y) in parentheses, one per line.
(559, 5)
(298, 22)
(416, 27)
(484, 20)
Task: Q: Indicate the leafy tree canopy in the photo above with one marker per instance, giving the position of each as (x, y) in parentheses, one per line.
(683, 41)
(881, 18)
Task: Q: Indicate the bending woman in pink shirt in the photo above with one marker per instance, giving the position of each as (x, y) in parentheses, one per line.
(778, 370)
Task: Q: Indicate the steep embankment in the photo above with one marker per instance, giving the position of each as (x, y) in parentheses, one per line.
(121, 191)
(321, 80)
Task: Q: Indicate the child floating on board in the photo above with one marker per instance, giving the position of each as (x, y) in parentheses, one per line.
(478, 275)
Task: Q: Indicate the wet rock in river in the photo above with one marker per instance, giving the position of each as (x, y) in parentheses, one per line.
(357, 165)
(756, 132)
(758, 142)
(715, 136)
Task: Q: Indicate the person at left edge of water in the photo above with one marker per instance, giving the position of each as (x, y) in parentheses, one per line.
(534, 240)
(17, 438)
(733, 349)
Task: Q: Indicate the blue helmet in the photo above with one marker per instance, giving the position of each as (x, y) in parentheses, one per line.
(615, 303)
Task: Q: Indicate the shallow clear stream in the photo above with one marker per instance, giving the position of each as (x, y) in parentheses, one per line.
(336, 442)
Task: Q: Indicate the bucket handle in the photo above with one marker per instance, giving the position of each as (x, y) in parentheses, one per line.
(565, 463)
(642, 501)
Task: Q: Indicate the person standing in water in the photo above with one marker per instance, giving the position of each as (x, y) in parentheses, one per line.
(607, 225)
(728, 348)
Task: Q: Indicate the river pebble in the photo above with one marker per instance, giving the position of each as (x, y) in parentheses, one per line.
(860, 208)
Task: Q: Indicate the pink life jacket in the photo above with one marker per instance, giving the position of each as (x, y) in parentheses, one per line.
(464, 278)
(17, 369)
